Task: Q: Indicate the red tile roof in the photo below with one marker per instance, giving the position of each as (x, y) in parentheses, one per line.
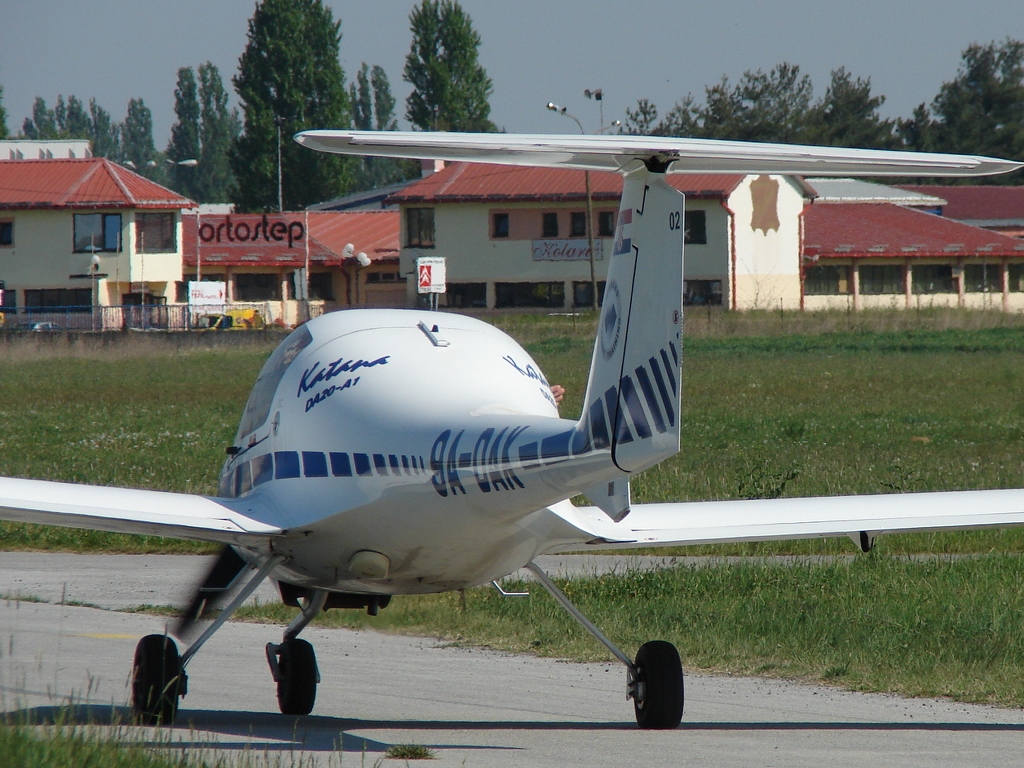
(93, 182)
(864, 230)
(477, 182)
(261, 240)
(978, 203)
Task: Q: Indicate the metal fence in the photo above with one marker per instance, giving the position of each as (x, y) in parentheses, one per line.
(147, 317)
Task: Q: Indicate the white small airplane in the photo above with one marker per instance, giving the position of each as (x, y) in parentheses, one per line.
(395, 452)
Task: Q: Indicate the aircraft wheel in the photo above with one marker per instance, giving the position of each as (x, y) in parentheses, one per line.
(157, 680)
(296, 688)
(659, 699)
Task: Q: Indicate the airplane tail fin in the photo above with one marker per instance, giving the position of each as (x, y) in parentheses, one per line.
(632, 401)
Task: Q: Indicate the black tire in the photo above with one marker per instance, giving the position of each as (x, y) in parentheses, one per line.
(296, 690)
(659, 703)
(157, 680)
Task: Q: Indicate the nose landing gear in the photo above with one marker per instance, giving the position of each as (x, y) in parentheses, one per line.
(293, 662)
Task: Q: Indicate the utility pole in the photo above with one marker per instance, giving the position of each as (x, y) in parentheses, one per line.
(590, 209)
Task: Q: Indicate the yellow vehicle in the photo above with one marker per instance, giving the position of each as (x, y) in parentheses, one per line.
(232, 320)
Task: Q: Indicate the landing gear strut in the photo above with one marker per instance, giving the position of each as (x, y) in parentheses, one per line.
(654, 681)
(158, 673)
(293, 662)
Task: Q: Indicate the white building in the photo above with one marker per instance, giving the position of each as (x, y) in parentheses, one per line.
(516, 237)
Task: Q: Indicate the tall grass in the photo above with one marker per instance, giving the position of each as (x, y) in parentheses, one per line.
(69, 746)
(855, 403)
(132, 411)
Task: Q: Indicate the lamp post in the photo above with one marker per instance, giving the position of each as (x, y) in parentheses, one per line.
(590, 208)
(280, 121)
(93, 275)
(597, 95)
(191, 162)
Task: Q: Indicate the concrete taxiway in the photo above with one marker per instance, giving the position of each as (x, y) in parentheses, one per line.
(475, 708)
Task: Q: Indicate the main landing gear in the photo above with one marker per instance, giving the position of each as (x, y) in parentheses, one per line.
(158, 672)
(654, 681)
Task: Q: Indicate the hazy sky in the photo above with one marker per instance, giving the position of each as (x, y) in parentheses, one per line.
(534, 50)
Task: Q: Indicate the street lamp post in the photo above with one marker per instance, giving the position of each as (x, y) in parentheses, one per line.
(590, 209)
(280, 121)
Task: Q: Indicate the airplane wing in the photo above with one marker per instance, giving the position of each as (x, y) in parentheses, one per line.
(712, 522)
(126, 510)
(616, 153)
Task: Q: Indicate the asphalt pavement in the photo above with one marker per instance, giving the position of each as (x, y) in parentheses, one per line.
(474, 707)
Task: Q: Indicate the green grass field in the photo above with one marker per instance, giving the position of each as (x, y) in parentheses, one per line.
(805, 405)
(894, 402)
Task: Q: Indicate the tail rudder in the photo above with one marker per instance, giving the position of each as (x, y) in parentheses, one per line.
(632, 401)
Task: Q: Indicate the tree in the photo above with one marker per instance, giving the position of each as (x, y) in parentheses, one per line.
(761, 107)
(137, 149)
(373, 109)
(184, 143)
(450, 87)
(914, 132)
(219, 130)
(383, 100)
(104, 133)
(847, 116)
(203, 137)
(681, 120)
(289, 78)
(641, 121)
(70, 120)
(361, 100)
(42, 125)
(3, 115)
(981, 111)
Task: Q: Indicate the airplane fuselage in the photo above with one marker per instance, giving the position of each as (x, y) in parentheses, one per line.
(429, 439)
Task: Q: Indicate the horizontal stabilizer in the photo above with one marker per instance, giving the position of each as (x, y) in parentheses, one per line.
(709, 522)
(127, 510)
(621, 153)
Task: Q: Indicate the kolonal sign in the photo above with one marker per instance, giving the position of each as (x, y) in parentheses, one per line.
(566, 250)
(430, 274)
(207, 293)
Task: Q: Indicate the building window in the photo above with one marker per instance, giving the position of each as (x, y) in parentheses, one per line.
(155, 233)
(549, 226)
(384, 277)
(1016, 277)
(419, 225)
(70, 299)
(577, 224)
(97, 232)
(466, 295)
(321, 286)
(606, 224)
(983, 278)
(880, 279)
(257, 286)
(499, 225)
(581, 293)
(6, 234)
(702, 293)
(822, 280)
(695, 228)
(933, 278)
(529, 295)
